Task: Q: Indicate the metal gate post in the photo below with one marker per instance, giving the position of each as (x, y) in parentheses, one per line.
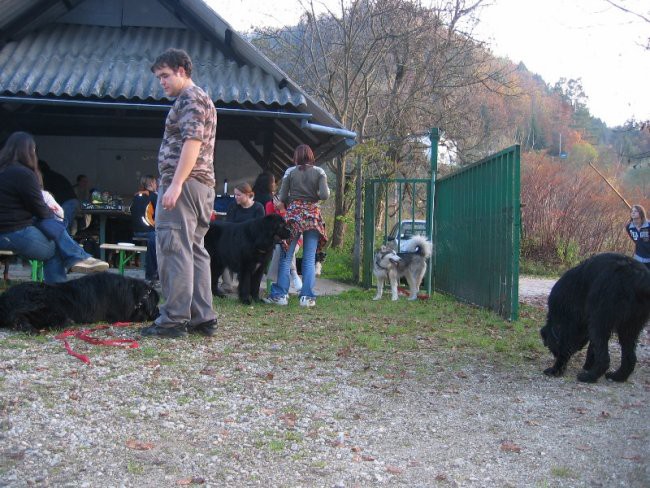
(368, 232)
(434, 137)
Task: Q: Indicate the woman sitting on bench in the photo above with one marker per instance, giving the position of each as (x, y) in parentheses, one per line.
(27, 225)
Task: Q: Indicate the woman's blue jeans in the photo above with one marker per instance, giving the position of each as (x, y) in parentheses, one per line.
(310, 240)
(57, 257)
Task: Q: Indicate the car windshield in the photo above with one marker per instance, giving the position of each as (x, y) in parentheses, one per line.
(409, 229)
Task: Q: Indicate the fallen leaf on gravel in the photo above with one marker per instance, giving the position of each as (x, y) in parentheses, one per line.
(356, 449)
(367, 457)
(139, 445)
(196, 480)
(394, 469)
(344, 352)
(583, 448)
(289, 419)
(269, 376)
(510, 447)
(636, 457)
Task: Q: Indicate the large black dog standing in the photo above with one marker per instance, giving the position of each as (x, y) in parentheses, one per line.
(244, 248)
(606, 293)
(99, 297)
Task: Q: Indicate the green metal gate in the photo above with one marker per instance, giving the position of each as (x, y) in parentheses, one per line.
(476, 228)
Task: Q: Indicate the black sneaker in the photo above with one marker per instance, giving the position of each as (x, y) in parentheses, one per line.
(160, 331)
(208, 328)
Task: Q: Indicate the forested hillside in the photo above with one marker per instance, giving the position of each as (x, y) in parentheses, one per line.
(392, 69)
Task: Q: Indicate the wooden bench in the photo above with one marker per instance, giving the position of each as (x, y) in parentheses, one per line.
(37, 266)
(126, 252)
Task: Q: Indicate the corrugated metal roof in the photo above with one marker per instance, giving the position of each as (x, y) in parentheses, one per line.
(108, 62)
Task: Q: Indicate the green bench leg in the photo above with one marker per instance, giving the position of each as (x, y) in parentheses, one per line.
(37, 269)
(124, 259)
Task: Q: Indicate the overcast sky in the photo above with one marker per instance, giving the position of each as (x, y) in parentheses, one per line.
(587, 39)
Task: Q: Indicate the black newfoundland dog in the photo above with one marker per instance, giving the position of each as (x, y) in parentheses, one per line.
(246, 249)
(606, 293)
(99, 297)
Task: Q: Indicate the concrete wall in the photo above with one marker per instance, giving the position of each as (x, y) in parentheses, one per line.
(116, 164)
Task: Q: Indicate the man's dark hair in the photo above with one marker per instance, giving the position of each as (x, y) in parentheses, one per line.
(174, 59)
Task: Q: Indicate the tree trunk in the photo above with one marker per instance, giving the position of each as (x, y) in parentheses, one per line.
(338, 230)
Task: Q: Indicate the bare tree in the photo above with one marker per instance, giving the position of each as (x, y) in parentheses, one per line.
(389, 70)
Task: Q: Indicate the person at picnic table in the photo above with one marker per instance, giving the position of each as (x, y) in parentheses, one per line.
(143, 210)
(638, 228)
(28, 226)
(62, 191)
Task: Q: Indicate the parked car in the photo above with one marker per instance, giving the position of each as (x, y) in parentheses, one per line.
(407, 229)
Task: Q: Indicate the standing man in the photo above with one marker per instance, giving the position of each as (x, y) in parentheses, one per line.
(185, 200)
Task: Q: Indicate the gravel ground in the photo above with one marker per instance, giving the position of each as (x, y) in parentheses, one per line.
(220, 412)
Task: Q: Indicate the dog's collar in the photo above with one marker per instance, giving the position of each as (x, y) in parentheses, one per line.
(379, 265)
(144, 298)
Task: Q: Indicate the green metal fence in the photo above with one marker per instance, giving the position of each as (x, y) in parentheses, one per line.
(476, 233)
(473, 219)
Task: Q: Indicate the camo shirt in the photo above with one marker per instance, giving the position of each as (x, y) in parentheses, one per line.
(192, 116)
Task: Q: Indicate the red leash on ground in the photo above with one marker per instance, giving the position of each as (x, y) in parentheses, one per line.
(84, 335)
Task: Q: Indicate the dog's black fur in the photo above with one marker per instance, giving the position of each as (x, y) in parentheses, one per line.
(606, 293)
(246, 249)
(320, 258)
(99, 297)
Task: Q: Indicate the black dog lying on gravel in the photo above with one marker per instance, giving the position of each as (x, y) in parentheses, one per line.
(244, 248)
(99, 297)
(606, 293)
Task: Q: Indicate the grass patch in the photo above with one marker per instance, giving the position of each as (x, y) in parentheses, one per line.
(134, 468)
(538, 268)
(352, 322)
(349, 324)
(562, 472)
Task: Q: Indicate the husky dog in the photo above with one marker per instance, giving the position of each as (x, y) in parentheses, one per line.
(411, 264)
